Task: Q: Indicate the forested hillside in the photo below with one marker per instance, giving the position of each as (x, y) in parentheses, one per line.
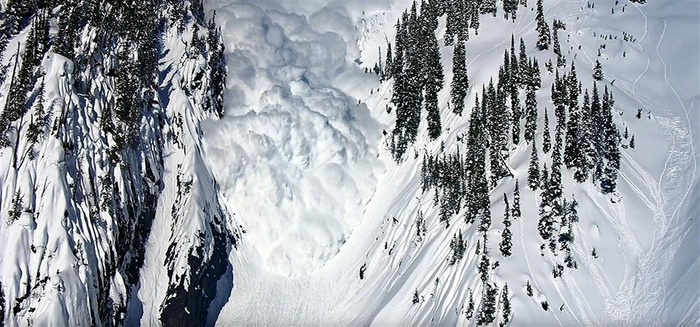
(101, 103)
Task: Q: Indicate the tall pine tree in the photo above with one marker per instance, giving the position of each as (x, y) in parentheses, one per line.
(460, 80)
(546, 137)
(432, 69)
(506, 237)
(561, 62)
(516, 201)
(545, 226)
(610, 146)
(505, 306)
(544, 38)
(524, 76)
(533, 172)
(530, 114)
(487, 308)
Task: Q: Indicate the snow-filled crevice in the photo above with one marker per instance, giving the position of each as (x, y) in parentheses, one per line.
(295, 156)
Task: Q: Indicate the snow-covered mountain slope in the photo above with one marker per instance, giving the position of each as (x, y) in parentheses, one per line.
(156, 169)
(644, 236)
(103, 187)
(295, 157)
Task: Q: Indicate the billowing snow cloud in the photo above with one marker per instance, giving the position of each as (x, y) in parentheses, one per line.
(295, 156)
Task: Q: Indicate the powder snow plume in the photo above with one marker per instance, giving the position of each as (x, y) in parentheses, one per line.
(295, 155)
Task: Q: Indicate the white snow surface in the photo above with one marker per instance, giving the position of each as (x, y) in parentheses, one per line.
(309, 179)
(295, 156)
(306, 178)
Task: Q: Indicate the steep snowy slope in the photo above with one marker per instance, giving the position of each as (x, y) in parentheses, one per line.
(156, 169)
(101, 146)
(644, 236)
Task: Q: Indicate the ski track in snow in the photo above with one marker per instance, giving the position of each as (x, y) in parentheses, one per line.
(527, 260)
(640, 297)
(689, 143)
(641, 49)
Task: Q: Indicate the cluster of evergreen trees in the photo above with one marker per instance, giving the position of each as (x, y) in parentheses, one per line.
(585, 140)
(447, 174)
(494, 124)
(416, 67)
(136, 43)
(585, 136)
(465, 181)
(452, 179)
(418, 76)
(25, 74)
(116, 44)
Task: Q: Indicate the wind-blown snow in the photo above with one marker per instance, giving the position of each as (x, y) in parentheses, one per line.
(295, 156)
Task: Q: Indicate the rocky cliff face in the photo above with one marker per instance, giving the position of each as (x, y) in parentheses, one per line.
(101, 145)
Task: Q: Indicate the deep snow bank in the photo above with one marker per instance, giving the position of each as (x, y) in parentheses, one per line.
(295, 155)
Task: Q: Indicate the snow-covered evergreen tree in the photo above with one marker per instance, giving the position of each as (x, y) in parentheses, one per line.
(610, 146)
(546, 136)
(524, 71)
(460, 80)
(469, 312)
(506, 242)
(510, 7)
(598, 71)
(477, 199)
(473, 13)
(597, 135)
(514, 68)
(458, 247)
(389, 64)
(516, 201)
(535, 79)
(485, 261)
(545, 226)
(506, 309)
(561, 62)
(533, 172)
(487, 307)
(544, 38)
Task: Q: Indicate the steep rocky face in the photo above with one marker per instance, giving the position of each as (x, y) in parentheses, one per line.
(88, 124)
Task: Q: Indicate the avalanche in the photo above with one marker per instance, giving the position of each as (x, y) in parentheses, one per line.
(631, 232)
(288, 207)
